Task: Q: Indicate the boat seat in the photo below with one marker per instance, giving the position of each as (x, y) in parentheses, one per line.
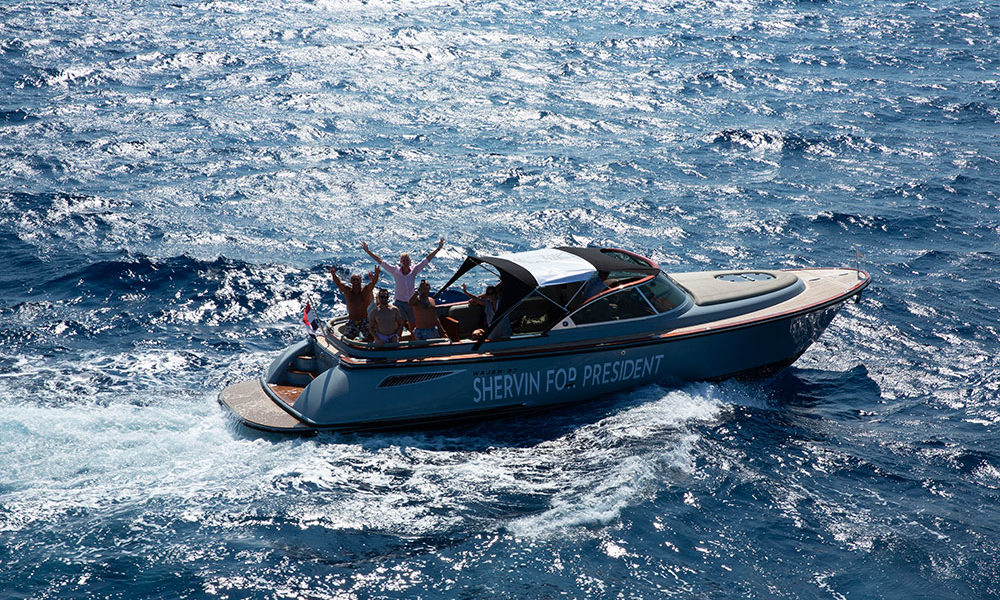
(716, 287)
(469, 317)
(534, 315)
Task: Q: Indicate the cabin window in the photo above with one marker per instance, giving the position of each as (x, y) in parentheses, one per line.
(592, 287)
(626, 304)
(561, 293)
(662, 293)
(616, 278)
(535, 314)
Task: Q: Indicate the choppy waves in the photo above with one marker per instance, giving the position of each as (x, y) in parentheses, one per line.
(175, 180)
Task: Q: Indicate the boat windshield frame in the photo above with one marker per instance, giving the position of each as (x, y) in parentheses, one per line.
(517, 283)
(637, 285)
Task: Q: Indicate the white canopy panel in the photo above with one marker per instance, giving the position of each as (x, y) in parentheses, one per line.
(551, 267)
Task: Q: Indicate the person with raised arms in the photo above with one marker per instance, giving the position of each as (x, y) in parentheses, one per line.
(357, 298)
(404, 275)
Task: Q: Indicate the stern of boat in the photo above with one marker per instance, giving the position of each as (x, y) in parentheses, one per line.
(254, 407)
(266, 403)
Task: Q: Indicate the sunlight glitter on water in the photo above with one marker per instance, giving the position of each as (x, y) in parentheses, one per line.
(177, 178)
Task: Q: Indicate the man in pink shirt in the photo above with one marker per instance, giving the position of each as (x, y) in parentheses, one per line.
(404, 276)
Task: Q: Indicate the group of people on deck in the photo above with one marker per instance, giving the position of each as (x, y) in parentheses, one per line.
(413, 308)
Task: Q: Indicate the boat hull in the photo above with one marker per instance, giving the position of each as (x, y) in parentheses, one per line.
(373, 396)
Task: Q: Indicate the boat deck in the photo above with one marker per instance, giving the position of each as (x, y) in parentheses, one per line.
(716, 287)
(822, 285)
(254, 407)
(288, 393)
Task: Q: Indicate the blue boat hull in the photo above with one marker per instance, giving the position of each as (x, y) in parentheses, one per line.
(352, 398)
(358, 387)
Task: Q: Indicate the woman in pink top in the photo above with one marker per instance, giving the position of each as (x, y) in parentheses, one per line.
(404, 276)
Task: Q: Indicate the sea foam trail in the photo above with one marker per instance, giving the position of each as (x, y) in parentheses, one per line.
(113, 456)
(623, 460)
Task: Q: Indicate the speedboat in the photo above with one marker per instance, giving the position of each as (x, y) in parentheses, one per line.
(581, 323)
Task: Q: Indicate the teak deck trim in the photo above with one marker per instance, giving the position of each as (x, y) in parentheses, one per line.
(254, 407)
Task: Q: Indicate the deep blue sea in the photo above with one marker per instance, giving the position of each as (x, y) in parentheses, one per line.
(176, 177)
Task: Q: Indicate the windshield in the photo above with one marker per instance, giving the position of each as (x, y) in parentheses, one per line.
(662, 293)
(617, 306)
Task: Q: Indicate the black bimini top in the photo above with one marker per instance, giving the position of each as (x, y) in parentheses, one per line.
(522, 272)
(612, 259)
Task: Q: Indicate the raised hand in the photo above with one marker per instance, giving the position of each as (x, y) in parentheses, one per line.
(375, 257)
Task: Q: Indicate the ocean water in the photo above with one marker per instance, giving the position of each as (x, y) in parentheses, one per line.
(176, 177)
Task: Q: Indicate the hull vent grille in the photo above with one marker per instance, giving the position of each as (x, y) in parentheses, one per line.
(397, 380)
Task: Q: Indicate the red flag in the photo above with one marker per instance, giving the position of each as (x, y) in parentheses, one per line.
(307, 318)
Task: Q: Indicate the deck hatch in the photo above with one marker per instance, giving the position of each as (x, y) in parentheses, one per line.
(397, 380)
(746, 276)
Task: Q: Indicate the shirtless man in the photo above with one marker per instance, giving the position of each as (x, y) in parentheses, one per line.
(404, 276)
(425, 311)
(385, 321)
(357, 298)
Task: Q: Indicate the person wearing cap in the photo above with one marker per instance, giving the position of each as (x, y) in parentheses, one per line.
(385, 322)
(357, 298)
(427, 324)
(405, 277)
(490, 301)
